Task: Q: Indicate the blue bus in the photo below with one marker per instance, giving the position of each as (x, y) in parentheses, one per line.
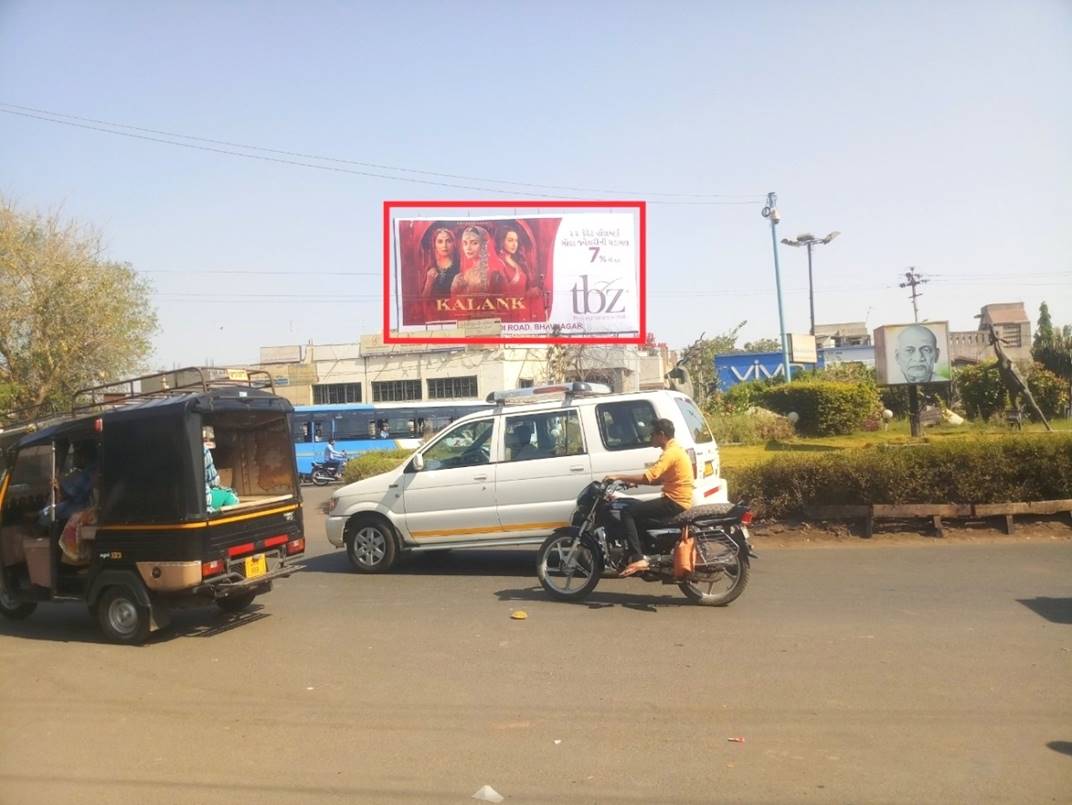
(361, 427)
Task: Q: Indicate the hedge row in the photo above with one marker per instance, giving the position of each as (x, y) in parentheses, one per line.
(373, 463)
(995, 469)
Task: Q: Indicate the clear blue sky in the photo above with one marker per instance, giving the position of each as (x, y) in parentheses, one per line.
(935, 135)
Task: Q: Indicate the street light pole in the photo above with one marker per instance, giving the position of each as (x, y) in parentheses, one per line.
(771, 212)
(809, 240)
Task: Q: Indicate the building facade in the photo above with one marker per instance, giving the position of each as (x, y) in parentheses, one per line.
(371, 371)
(1012, 324)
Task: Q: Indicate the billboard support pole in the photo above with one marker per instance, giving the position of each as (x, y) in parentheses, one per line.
(913, 410)
(771, 212)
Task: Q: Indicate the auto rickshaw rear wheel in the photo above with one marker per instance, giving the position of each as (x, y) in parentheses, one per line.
(122, 618)
(236, 603)
(13, 609)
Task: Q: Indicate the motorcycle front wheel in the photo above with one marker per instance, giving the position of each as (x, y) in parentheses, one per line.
(719, 587)
(567, 568)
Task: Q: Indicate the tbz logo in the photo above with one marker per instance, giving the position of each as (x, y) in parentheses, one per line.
(600, 299)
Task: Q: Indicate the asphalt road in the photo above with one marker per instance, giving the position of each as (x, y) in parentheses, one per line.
(925, 673)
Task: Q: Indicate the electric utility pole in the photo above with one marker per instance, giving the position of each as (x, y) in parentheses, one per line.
(913, 279)
(770, 212)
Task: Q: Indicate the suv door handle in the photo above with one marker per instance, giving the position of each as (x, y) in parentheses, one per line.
(576, 469)
(480, 477)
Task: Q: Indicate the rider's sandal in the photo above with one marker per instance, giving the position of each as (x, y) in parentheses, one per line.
(639, 566)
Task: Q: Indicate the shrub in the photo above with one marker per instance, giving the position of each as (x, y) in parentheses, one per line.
(742, 397)
(825, 407)
(983, 470)
(984, 394)
(1049, 391)
(373, 463)
(981, 390)
(757, 427)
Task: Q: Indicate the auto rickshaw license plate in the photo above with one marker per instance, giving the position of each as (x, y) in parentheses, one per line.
(256, 566)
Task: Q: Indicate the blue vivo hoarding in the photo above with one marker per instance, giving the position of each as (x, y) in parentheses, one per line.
(744, 367)
(747, 366)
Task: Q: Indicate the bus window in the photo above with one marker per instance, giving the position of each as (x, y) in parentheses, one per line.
(352, 426)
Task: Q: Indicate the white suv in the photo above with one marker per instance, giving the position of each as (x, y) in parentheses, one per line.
(510, 475)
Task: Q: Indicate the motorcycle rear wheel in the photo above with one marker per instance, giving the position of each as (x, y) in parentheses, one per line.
(720, 588)
(321, 478)
(566, 571)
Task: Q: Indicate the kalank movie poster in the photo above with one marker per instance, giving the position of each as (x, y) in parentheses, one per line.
(574, 273)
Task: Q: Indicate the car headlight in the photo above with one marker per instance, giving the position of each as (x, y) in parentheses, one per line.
(331, 504)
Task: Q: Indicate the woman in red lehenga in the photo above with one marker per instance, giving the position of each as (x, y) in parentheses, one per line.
(518, 251)
(480, 265)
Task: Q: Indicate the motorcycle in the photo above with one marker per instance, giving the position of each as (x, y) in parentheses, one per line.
(322, 475)
(571, 561)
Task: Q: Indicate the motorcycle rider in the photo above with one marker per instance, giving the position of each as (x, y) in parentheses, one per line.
(333, 458)
(674, 472)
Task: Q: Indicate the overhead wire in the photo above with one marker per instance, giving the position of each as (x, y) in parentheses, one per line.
(214, 146)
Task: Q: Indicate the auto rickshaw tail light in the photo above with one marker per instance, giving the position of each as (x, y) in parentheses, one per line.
(296, 546)
(215, 567)
(271, 542)
(238, 550)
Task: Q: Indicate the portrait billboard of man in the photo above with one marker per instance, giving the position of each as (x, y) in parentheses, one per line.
(912, 353)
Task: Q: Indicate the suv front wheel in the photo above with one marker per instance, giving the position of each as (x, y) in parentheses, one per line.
(371, 545)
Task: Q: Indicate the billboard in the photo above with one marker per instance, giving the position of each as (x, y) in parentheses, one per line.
(745, 367)
(573, 275)
(907, 354)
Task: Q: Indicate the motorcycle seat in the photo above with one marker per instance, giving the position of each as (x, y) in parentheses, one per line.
(709, 511)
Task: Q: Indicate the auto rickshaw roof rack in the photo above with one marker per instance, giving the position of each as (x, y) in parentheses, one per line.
(19, 421)
(190, 379)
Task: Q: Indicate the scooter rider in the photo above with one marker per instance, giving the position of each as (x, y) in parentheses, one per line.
(674, 472)
(333, 458)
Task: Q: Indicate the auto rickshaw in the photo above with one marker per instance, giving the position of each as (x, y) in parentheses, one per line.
(124, 504)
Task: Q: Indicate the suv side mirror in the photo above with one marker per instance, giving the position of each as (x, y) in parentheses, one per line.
(418, 463)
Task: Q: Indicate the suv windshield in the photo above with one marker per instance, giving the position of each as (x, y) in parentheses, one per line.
(695, 420)
(464, 446)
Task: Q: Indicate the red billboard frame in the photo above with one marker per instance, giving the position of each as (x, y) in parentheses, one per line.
(639, 206)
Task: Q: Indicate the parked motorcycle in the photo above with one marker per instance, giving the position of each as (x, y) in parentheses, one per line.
(570, 562)
(322, 475)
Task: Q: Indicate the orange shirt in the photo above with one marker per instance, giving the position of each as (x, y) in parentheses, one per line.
(674, 471)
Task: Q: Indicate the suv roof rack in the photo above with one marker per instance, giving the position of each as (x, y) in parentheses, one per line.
(123, 392)
(574, 389)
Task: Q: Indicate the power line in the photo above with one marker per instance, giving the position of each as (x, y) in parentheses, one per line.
(166, 138)
(912, 279)
(252, 272)
(750, 196)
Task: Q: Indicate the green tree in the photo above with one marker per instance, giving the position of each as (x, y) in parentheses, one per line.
(699, 358)
(1053, 348)
(69, 317)
(1044, 331)
(762, 345)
